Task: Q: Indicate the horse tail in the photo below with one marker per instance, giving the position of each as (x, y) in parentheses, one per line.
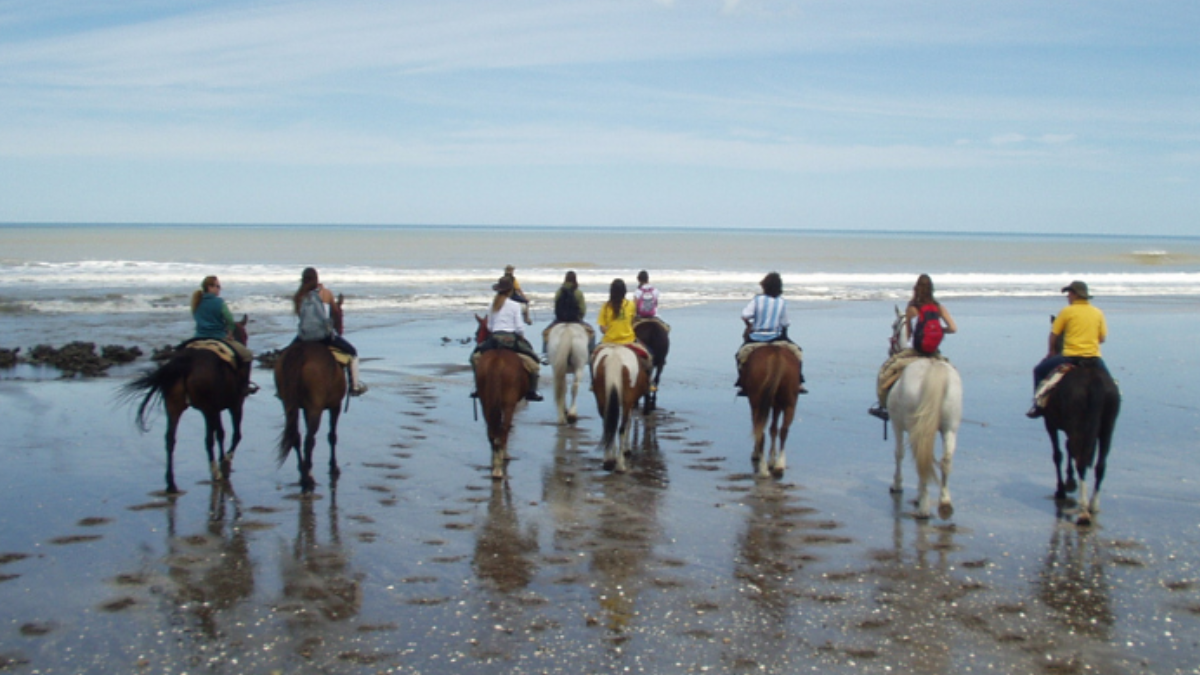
(764, 399)
(153, 383)
(289, 383)
(927, 418)
(614, 374)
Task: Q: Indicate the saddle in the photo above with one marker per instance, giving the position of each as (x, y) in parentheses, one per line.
(644, 319)
(512, 343)
(343, 359)
(218, 347)
(747, 349)
(1042, 395)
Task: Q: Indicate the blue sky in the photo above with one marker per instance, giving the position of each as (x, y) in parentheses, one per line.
(1005, 116)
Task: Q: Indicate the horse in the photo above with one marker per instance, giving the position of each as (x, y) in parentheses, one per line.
(618, 381)
(309, 379)
(925, 401)
(200, 379)
(1084, 406)
(771, 379)
(654, 335)
(501, 381)
(567, 350)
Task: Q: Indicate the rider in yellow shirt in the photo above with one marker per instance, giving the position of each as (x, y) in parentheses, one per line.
(617, 324)
(1081, 327)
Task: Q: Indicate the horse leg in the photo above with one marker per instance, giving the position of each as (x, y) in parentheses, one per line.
(898, 479)
(1085, 515)
(213, 429)
(172, 427)
(333, 422)
(1061, 490)
(573, 410)
(622, 440)
(312, 421)
(949, 441)
(235, 415)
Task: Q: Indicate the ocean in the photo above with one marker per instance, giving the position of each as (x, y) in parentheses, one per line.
(63, 270)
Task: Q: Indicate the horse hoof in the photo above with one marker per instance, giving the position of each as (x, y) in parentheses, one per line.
(777, 473)
(921, 516)
(610, 464)
(1084, 520)
(945, 511)
(895, 490)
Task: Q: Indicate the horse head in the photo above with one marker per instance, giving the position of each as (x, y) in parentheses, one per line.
(239, 329)
(482, 333)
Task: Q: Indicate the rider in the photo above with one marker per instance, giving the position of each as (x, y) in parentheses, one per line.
(766, 321)
(505, 324)
(1081, 327)
(890, 371)
(215, 322)
(646, 299)
(616, 321)
(517, 294)
(569, 307)
(310, 303)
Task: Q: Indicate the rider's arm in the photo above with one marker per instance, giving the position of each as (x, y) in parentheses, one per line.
(335, 310)
(951, 327)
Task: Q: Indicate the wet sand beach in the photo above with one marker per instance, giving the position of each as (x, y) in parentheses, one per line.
(415, 561)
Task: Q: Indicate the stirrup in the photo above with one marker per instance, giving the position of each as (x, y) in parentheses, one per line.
(880, 412)
(358, 389)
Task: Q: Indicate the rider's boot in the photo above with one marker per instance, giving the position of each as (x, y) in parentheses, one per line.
(1034, 412)
(879, 411)
(247, 386)
(357, 386)
(532, 394)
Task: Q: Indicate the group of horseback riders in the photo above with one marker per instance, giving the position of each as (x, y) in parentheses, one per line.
(1075, 335)
(509, 314)
(319, 320)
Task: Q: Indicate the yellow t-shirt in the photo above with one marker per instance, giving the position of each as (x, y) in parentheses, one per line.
(1082, 327)
(618, 330)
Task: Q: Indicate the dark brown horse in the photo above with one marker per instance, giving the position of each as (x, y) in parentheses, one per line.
(199, 379)
(500, 383)
(1084, 406)
(308, 379)
(771, 380)
(654, 335)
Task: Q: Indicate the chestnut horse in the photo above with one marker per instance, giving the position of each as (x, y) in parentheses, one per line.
(771, 380)
(654, 335)
(308, 379)
(618, 381)
(200, 379)
(500, 383)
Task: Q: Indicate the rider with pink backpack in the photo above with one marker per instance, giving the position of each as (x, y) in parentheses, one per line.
(928, 321)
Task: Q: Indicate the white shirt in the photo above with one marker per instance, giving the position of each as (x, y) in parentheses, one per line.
(507, 319)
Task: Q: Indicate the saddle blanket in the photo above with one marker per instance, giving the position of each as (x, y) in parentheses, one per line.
(531, 364)
(217, 347)
(747, 349)
(643, 319)
(340, 356)
(1047, 385)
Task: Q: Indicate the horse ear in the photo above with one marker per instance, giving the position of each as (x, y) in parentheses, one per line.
(244, 321)
(897, 308)
(340, 299)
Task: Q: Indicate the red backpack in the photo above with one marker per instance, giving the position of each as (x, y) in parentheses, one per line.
(928, 334)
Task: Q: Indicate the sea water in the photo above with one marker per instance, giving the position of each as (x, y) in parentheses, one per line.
(63, 282)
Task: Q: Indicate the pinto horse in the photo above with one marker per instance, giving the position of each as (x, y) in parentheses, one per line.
(771, 379)
(654, 335)
(618, 381)
(1084, 406)
(925, 401)
(500, 383)
(200, 379)
(567, 350)
(308, 379)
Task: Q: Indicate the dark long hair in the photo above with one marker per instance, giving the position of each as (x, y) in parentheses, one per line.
(570, 280)
(308, 282)
(616, 297)
(923, 292)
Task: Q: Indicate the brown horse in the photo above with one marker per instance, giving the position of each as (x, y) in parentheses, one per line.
(199, 379)
(771, 380)
(654, 335)
(309, 379)
(500, 383)
(618, 381)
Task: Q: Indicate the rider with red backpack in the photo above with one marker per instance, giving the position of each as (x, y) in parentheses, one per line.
(928, 321)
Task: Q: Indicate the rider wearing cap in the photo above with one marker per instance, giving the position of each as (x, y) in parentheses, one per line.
(1082, 329)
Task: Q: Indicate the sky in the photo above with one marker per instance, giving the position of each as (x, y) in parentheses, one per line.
(927, 115)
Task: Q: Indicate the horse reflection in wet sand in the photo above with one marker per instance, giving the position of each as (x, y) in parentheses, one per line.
(308, 379)
(618, 381)
(925, 401)
(771, 379)
(195, 378)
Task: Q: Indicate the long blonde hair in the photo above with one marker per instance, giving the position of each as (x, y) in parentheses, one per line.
(210, 280)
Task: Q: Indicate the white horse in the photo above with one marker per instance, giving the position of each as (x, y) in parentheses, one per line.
(567, 350)
(926, 400)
